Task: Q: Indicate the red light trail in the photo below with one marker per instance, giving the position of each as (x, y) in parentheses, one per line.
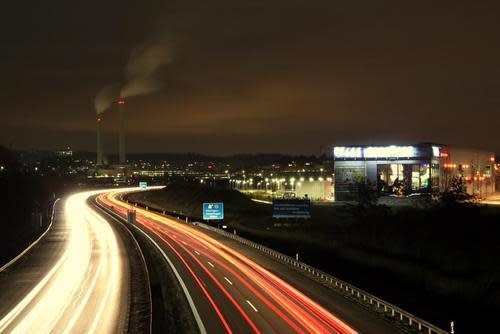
(278, 299)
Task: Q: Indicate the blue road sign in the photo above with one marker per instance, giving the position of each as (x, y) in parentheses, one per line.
(143, 185)
(212, 211)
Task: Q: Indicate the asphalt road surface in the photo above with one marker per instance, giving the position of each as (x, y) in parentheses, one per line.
(73, 281)
(233, 289)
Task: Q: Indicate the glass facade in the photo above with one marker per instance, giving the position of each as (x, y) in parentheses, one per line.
(435, 175)
(420, 168)
(399, 178)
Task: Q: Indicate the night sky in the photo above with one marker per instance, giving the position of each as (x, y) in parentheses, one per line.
(254, 76)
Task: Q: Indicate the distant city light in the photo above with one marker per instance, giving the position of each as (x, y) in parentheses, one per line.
(436, 151)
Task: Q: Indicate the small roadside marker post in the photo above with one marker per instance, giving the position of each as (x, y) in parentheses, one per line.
(131, 216)
(297, 256)
(452, 327)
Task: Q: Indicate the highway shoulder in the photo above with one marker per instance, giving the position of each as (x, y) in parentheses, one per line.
(354, 314)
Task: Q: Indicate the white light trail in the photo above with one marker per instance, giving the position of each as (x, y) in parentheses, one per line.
(84, 286)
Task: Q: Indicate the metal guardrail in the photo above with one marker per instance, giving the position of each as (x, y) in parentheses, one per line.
(32, 244)
(353, 292)
(372, 302)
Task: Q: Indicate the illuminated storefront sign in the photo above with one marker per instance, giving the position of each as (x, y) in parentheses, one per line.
(347, 152)
(389, 151)
(373, 152)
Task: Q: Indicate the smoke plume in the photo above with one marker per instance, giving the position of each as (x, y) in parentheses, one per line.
(142, 66)
(105, 97)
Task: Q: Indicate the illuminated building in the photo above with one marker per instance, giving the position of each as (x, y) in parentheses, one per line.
(410, 169)
(320, 189)
(66, 152)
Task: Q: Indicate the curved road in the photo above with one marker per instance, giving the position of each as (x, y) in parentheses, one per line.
(231, 290)
(73, 281)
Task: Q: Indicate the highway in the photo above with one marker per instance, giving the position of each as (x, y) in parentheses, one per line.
(75, 280)
(232, 289)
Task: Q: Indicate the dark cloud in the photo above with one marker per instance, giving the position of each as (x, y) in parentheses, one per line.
(262, 75)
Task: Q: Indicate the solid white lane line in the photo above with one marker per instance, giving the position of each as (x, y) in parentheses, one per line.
(197, 253)
(23, 303)
(197, 317)
(251, 305)
(7, 319)
(210, 263)
(227, 279)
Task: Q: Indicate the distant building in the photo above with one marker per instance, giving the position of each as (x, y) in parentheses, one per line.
(421, 168)
(315, 190)
(66, 152)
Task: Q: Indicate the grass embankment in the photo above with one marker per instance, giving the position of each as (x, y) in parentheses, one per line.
(439, 262)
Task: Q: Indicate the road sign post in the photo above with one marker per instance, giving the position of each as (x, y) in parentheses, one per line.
(131, 216)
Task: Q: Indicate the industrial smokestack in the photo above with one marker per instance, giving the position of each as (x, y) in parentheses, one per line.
(121, 134)
(102, 102)
(99, 142)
